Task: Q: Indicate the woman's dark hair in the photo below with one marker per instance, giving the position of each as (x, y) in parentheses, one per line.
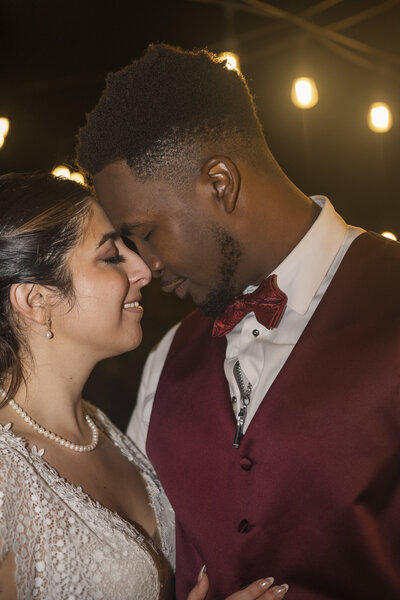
(42, 217)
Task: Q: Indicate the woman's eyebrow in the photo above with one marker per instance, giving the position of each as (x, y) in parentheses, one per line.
(111, 235)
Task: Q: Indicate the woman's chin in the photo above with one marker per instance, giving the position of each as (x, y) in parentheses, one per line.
(132, 344)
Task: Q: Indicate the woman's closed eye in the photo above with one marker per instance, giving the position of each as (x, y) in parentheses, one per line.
(114, 259)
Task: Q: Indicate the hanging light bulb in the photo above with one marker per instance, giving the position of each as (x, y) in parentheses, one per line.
(389, 235)
(1, 140)
(379, 117)
(61, 171)
(78, 177)
(4, 126)
(304, 93)
(232, 60)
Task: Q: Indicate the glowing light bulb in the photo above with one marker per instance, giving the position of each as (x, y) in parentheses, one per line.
(304, 93)
(4, 126)
(379, 117)
(389, 235)
(232, 60)
(78, 177)
(1, 140)
(61, 171)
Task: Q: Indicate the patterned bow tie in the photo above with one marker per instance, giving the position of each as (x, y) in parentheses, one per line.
(267, 302)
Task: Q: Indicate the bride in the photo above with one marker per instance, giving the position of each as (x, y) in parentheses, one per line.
(82, 514)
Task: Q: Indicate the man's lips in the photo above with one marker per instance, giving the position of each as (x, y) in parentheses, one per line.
(179, 286)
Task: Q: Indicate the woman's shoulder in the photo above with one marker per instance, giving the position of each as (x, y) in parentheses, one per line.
(16, 461)
(19, 483)
(12, 448)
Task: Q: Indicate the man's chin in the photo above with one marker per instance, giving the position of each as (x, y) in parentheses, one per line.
(215, 303)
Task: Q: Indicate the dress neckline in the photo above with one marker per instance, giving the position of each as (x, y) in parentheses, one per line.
(35, 456)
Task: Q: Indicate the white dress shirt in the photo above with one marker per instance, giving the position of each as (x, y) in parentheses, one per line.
(304, 276)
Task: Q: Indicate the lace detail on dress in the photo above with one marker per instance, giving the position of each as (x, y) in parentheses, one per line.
(68, 546)
(162, 508)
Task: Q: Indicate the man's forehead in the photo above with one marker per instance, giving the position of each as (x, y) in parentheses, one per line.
(115, 175)
(132, 203)
(117, 182)
(118, 195)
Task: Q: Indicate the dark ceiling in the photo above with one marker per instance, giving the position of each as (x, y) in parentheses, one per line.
(54, 56)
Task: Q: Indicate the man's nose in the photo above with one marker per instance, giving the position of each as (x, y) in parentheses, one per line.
(153, 262)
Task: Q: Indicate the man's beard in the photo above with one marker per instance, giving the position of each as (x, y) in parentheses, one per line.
(219, 297)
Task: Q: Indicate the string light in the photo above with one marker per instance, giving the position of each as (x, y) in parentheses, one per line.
(379, 117)
(389, 235)
(4, 126)
(232, 60)
(304, 92)
(61, 171)
(78, 177)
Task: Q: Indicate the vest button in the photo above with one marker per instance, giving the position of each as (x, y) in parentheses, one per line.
(246, 463)
(255, 332)
(243, 526)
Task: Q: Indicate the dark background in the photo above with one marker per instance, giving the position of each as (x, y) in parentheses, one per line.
(54, 56)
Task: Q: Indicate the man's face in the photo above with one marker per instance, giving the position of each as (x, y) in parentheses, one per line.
(179, 234)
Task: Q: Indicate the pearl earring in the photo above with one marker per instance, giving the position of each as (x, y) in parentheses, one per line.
(49, 333)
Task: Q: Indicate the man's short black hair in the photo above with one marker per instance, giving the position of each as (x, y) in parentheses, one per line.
(166, 106)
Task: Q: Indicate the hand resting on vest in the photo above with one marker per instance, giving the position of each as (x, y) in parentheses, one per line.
(258, 590)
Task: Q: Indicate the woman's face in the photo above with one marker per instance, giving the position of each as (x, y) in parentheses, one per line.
(107, 277)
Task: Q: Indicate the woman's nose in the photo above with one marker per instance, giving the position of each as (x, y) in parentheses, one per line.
(138, 271)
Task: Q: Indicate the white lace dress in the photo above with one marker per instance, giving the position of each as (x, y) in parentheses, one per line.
(68, 547)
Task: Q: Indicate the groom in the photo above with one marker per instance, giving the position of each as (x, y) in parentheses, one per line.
(272, 415)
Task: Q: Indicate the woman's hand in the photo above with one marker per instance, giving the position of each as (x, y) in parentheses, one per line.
(260, 589)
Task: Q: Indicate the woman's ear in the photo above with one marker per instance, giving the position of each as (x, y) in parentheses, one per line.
(29, 301)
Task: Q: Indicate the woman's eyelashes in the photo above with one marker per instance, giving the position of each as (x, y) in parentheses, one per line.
(115, 259)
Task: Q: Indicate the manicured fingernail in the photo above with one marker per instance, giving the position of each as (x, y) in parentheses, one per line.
(264, 585)
(203, 570)
(280, 591)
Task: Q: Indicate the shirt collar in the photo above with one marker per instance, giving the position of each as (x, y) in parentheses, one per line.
(301, 273)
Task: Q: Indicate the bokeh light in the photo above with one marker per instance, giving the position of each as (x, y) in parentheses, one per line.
(389, 235)
(4, 126)
(78, 177)
(61, 171)
(304, 92)
(232, 60)
(379, 117)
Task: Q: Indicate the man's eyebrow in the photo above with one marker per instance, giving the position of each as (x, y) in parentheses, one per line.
(127, 228)
(112, 235)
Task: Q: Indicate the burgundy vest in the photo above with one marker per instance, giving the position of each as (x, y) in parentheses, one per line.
(312, 495)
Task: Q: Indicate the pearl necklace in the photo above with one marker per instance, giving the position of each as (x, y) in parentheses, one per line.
(57, 438)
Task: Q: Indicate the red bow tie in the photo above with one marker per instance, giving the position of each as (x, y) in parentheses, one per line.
(267, 302)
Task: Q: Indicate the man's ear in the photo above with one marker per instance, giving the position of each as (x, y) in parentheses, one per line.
(29, 301)
(222, 176)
